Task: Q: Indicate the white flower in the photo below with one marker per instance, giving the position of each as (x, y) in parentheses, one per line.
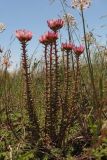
(69, 19)
(2, 27)
(81, 4)
(89, 38)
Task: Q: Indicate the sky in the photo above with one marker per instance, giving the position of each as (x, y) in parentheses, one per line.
(33, 14)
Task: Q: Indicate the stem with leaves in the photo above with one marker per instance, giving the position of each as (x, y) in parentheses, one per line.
(34, 126)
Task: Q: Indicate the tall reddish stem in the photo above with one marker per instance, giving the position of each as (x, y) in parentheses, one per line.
(34, 126)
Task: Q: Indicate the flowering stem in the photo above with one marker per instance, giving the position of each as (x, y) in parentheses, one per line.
(29, 102)
(52, 94)
(67, 81)
(47, 119)
(77, 74)
(65, 105)
(56, 72)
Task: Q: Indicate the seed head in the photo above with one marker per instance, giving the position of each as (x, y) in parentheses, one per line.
(81, 4)
(69, 19)
(2, 27)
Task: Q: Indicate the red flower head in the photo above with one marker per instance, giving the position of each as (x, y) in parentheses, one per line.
(48, 37)
(43, 39)
(78, 50)
(23, 35)
(67, 46)
(55, 25)
(51, 36)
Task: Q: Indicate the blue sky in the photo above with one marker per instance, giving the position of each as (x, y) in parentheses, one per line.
(33, 14)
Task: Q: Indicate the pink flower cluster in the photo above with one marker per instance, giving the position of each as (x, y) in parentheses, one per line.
(48, 37)
(69, 47)
(55, 24)
(23, 35)
(78, 50)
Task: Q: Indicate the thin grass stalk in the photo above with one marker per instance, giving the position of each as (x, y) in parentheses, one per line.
(95, 98)
(6, 103)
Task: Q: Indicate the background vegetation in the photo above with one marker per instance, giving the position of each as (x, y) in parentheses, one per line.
(56, 109)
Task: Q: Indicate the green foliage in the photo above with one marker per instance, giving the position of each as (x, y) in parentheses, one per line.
(93, 127)
(101, 151)
(27, 156)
